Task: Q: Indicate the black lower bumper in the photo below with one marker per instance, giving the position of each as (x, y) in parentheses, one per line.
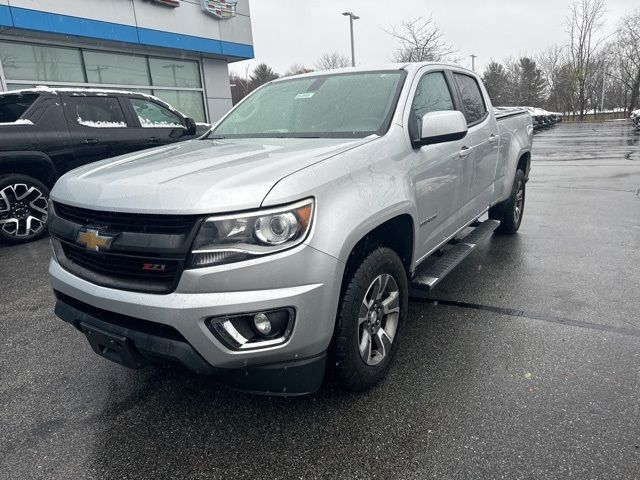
(136, 343)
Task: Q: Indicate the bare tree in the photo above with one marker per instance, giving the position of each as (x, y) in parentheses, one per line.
(297, 69)
(626, 51)
(420, 41)
(550, 61)
(329, 61)
(585, 20)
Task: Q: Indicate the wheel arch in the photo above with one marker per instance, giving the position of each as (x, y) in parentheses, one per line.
(37, 165)
(396, 231)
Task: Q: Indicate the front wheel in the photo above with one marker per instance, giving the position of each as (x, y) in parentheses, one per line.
(23, 208)
(511, 210)
(372, 313)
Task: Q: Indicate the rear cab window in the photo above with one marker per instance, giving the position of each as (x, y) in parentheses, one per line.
(152, 115)
(13, 107)
(474, 108)
(97, 112)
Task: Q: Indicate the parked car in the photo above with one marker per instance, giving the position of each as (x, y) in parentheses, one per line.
(293, 231)
(47, 132)
(635, 118)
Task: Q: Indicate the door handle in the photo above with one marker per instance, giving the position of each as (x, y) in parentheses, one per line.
(153, 139)
(90, 141)
(465, 152)
(492, 138)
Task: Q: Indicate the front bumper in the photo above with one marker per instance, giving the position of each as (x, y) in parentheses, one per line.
(112, 337)
(303, 278)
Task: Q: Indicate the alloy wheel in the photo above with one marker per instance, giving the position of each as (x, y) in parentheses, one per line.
(23, 210)
(518, 205)
(378, 319)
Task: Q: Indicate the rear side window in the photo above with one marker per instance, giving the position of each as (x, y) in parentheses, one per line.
(152, 115)
(12, 107)
(97, 112)
(432, 95)
(472, 100)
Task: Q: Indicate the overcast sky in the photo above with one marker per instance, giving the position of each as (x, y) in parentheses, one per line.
(287, 32)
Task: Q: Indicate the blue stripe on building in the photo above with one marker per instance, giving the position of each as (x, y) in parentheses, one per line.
(66, 25)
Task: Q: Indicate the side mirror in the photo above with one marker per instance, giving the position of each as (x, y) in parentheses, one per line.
(443, 126)
(191, 126)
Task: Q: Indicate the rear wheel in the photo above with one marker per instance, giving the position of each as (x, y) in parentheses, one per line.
(511, 210)
(371, 316)
(23, 208)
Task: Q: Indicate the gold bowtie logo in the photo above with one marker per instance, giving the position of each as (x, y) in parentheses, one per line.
(92, 240)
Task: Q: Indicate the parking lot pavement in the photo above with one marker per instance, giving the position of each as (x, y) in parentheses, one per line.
(523, 363)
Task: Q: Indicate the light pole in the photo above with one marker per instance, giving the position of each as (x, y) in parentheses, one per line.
(473, 61)
(352, 17)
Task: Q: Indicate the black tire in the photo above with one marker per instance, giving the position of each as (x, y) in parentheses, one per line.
(352, 371)
(23, 207)
(510, 211)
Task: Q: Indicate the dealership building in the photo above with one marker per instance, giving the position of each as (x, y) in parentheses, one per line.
(177, 50)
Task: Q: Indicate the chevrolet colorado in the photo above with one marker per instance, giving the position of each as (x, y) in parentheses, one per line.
(293, 232)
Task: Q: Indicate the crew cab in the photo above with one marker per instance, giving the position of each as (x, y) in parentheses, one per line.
(47, 132)
(293, 232)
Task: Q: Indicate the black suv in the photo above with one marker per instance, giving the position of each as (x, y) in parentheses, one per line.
(44, 133)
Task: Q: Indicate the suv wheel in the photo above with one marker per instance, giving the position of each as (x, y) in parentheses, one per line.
(23, 208)
(372, 312)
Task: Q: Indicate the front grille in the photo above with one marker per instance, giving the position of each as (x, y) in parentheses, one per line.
(128, 222)
(148, 253)
(132, 272)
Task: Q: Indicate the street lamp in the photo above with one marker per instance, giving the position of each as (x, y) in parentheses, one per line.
(352, 17)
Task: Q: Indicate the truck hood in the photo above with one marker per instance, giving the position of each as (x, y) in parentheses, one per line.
(194, 177)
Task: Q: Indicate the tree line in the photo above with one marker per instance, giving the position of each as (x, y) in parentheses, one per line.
(590, 72)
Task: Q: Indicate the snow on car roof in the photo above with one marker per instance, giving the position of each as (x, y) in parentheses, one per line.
(89, 91)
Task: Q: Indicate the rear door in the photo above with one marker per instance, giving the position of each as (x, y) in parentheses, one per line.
(156, 124)
(481, 163)
(98, 127)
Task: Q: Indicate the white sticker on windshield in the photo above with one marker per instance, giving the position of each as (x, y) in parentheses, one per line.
(305, 95)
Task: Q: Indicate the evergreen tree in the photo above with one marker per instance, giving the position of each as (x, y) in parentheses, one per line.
(496, 81)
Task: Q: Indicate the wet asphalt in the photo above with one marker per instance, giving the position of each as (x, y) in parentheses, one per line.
(523, 363)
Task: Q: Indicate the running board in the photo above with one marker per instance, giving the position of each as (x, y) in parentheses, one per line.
(427, 278)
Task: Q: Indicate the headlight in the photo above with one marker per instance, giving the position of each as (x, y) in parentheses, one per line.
(233, 238)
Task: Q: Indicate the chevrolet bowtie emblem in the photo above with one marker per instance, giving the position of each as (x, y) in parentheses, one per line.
(92, 240)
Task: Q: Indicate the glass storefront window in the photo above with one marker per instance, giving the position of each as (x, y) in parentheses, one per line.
(35, 62)
(189, 103)
(166, 72)
(107, 67)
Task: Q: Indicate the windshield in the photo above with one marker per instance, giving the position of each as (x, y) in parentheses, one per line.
(328, 106)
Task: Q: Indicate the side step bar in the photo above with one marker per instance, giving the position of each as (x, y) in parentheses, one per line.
(427, 278)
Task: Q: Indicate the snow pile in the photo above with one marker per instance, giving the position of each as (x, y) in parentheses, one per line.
(20, 121)
(92, 124)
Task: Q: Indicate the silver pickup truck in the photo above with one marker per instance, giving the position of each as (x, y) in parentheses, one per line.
(285, 242)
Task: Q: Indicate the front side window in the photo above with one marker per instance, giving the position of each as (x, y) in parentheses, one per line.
(432, 95)
(97, 112)
(472, 100)
(338, 105)
(152, 115)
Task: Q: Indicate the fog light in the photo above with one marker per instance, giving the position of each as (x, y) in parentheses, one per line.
(253, 330)
(262, 324)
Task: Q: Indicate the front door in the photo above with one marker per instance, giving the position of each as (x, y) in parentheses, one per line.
(437, 169)
(157, 124)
